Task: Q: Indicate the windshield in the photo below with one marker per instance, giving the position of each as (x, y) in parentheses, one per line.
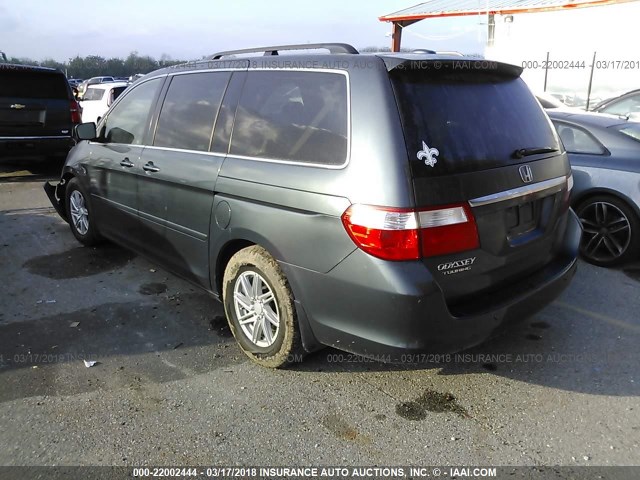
(475, 119)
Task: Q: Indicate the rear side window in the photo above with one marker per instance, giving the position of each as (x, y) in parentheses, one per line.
(26, 84)
(474, 119)
(293, 116)
(578, 140)
(189, 110)
(115, 93)
(127, 122)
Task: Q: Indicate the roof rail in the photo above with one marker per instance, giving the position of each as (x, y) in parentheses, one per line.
(332, 47)
(450, 52)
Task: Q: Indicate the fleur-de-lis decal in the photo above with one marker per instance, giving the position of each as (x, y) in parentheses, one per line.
(428, 154)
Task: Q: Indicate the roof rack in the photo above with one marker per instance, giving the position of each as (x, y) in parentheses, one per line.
(332, 47)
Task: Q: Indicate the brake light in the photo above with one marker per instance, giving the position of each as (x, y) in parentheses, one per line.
(408, 234)
(76, 112)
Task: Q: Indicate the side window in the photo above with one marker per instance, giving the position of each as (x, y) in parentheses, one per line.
(295, 116)
(577, 140)
(127, 122)
(115, 93)
(189, 110)
(624, 107)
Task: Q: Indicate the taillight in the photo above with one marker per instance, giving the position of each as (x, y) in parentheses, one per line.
(448, 229)
(408, 234)
(567, 193)
(387, 233)
(76, 112)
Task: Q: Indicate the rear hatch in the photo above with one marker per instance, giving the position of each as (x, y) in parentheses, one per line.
(489, 176)
(34, 103)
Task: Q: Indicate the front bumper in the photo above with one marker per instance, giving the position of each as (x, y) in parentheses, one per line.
(387, 310)
(56, 197)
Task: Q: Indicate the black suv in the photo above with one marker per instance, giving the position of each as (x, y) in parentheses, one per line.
(381, 204)
(37, 112)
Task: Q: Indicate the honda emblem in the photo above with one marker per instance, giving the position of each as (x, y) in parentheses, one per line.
(526, 174)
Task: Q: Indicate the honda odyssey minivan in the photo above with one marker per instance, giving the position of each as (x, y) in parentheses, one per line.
(381, 204)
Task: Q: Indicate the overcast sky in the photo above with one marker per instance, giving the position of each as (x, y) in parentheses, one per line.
(190, 29)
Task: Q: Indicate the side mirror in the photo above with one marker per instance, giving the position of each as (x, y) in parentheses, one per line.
(85, 131)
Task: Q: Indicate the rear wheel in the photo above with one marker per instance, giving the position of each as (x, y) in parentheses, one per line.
(260, 309)
(611, 231)
(80, 215)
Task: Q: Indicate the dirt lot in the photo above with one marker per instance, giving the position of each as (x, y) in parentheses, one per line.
(170, 387)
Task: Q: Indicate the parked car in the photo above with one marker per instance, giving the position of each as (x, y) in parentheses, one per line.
(627, 105)
(604, 151)
(92, 81)
(384, 210)
(37, 112)
(98, 98)
(549, 101)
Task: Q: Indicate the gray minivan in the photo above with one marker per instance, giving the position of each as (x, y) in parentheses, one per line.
(382, 204)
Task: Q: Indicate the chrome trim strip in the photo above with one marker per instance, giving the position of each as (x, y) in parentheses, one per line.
(53, 137)
(192, 70)
(290, 162)
(186, 150)
(518, 192)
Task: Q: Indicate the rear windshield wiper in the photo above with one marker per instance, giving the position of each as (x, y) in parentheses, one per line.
(525, 152)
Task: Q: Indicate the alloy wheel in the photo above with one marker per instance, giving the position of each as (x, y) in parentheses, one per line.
(79, 212)
(256, 309)
(606, 231)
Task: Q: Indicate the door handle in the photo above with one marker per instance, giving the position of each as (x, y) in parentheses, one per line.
(126, 163)
(150, 167)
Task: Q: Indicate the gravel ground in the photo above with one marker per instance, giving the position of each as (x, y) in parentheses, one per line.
(170, 386)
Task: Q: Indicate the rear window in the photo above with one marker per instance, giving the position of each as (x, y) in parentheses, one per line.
(28, 84)
(93, 94)
(465, 121)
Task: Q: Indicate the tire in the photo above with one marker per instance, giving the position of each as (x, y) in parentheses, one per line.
(611, 231)
(273, 338)
(79, 214)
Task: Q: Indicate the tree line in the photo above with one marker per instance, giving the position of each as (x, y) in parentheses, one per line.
(95, 65)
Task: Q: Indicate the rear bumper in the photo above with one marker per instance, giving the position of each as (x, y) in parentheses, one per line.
(35, 146)
(390, 309)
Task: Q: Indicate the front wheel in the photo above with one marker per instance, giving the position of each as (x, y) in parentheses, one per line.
(80, 215)
(611, 231)
(260, 309)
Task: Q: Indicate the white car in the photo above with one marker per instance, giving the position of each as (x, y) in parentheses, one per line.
(98, 98)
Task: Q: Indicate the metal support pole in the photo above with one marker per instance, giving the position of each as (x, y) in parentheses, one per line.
(593, 66)
(546, 73)
(396, 36)
(491, 33)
